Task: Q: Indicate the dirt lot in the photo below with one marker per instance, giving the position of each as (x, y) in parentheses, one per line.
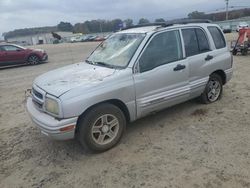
(189, 145)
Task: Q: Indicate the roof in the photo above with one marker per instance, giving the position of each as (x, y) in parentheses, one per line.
(143, 29)
(151, 27)
(147, 29)
(5, 43)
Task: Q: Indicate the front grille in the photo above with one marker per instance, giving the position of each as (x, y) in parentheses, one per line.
(38, 97)
(37, 104)
(37, 94)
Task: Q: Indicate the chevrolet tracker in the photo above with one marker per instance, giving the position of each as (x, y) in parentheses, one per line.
(133, 73)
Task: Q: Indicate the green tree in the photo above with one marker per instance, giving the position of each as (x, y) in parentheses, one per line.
(159, 20)
(128, 22)
(143, 21)
(116, 24)
(65, 26)
(197, 15)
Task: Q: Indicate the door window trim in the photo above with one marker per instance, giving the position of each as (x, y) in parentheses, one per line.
(221, 34)
(11, 46)
(196, 27)
(136, 68)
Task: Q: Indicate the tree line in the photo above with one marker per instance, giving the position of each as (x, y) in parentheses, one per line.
(101, 25)
(93, 26)
(220, 16)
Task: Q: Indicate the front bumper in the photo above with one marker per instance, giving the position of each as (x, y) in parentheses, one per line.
(45, 58)
(51, 127)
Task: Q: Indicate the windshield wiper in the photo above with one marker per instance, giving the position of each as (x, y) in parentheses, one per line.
(104, 64)
(100, 63)
(89, 62)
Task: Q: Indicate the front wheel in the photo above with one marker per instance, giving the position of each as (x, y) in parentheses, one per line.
(213, 90)
(101, 127)
(33, 60)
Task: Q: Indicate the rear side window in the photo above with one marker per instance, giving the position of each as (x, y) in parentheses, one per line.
(190, 41)
(10, 48)
(1, 49)
(202, 41)
(195, 41)
(217, 36)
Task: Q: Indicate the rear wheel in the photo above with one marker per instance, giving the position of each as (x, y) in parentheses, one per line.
(213, 90)
(33, 60)
(101, 128)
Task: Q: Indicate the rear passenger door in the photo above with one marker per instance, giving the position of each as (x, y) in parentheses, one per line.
(199, 56)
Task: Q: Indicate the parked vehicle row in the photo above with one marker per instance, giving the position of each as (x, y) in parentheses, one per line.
(87, 38)
(12, 55)
(228, 28)
(133, 73)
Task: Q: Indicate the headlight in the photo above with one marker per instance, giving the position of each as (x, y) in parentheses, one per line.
(51, 106)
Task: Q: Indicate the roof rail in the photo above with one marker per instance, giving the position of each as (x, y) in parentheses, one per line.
(171, 23)
(187, 21)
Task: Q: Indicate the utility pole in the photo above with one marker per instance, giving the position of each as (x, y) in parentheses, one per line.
(227, 9)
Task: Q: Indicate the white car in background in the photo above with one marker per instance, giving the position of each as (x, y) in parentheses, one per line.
(77, 39)
(242, 25)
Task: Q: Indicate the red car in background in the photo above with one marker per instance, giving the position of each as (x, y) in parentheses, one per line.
(11, 54)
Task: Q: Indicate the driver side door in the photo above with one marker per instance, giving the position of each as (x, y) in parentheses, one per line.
(14, 55)
(162, 74)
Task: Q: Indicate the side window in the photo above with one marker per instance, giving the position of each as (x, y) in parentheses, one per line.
(190, 41)
(10, 48)
(217, 36)
(202, 41)
(1, 49)
(163, 48)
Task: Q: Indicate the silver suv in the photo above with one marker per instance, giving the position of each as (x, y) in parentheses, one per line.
(133, 73)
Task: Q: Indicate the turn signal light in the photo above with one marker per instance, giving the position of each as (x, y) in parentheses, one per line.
(68, 128)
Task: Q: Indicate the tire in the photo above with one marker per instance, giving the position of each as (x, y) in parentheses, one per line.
(213, 90)
(33, 60)
(234, 52)
(95, 129)
(244, 51)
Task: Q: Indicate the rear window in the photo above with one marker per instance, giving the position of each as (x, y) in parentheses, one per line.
(217, 36)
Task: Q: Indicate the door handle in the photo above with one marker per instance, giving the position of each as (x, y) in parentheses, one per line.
(179, 67)
(209, 57)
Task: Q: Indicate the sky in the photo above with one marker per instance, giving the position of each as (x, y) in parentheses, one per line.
(17, 14)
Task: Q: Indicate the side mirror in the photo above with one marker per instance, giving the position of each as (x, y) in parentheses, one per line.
(18, 50)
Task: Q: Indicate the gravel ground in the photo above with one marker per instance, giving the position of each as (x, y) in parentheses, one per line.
(188, 145)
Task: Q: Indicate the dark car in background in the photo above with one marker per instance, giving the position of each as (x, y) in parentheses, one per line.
(226, 29)
(90, 38)
(98, 38)
(11, 54)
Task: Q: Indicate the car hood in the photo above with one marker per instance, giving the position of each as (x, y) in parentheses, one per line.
(59, 81)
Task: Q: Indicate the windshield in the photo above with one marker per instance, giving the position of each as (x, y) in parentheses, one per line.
(117, 50)
(20, 47)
